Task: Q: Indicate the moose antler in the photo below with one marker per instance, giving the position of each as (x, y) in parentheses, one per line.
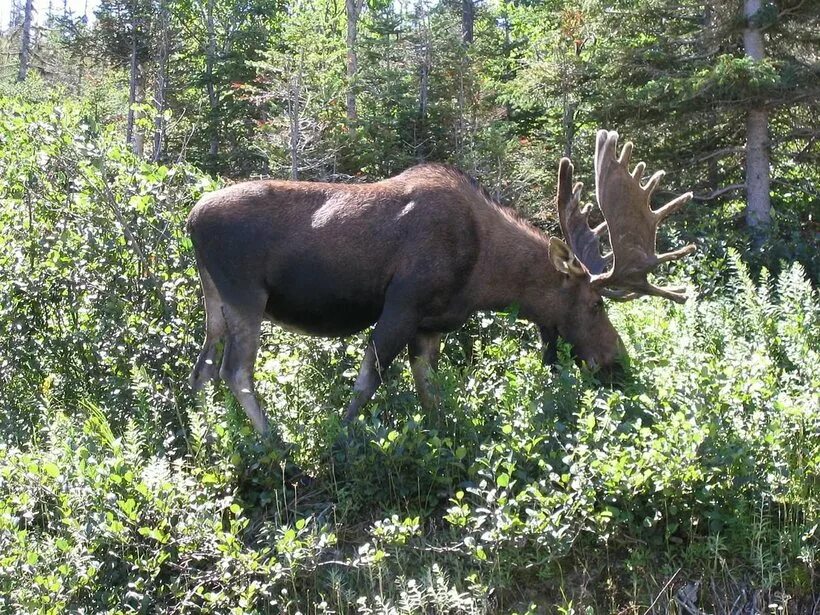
(631, 222)
(574, 220)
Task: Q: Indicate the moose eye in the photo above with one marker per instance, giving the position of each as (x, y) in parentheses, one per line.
(598, 306)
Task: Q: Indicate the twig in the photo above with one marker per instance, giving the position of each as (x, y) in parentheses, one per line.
(790, 10)
(726, 151)
(803, 189)
(716, 193)
(663, 589)
(130, 236)
(335, 562)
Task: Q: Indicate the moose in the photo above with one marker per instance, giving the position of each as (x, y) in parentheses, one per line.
(417, 254)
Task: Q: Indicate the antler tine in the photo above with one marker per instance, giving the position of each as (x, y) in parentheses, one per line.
(632, 223)
(626, 153)
(676, 254)
(618, 295)
(574, 220)
(675, 293)
(673, 206)
(652, 182)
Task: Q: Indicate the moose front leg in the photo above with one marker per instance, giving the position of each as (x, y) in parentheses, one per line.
(424, 350)
(392, 332)
(549, 341)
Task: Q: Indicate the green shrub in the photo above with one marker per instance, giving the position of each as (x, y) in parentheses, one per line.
(530, 489)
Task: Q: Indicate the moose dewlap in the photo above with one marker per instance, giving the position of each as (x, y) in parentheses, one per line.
(417, 254)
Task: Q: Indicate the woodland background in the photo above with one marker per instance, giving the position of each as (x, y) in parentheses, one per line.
(693, 488)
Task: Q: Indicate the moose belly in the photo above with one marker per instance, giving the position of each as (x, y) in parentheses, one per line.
(324, 316)
(338, 320)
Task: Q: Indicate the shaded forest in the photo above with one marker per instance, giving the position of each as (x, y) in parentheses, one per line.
(724, 94)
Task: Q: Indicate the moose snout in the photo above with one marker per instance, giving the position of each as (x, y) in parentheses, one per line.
(609, 362)
(613, 366)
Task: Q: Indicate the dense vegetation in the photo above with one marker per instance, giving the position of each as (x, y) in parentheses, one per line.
(693, 487)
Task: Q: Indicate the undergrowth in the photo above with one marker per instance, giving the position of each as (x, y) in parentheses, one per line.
(531, 491)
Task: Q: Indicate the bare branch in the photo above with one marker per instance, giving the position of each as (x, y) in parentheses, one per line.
(726, 151)
(720, 191)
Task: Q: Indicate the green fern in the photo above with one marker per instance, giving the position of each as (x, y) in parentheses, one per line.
(799, 325)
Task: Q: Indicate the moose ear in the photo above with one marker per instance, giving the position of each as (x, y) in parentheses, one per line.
(564, 260)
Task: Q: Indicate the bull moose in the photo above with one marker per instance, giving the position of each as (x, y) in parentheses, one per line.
(417, 254)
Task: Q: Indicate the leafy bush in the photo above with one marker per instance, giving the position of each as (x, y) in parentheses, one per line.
(97, 281)
(530, 489)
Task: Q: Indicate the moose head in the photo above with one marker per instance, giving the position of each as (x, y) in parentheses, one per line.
(621, 274)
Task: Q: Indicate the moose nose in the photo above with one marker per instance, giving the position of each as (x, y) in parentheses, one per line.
(616, 369)
(611, 359)
(621, 355)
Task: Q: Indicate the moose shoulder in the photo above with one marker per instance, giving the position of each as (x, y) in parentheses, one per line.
(416, 254)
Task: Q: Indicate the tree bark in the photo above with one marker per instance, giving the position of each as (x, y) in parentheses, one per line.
(467, 21)
(353, 9)
(161, 83)
(132, 88)
(758, 202)
(210, 60)
(25, 41)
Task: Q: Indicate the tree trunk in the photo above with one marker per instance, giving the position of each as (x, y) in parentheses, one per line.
(139, 135)
(508, 74)
(210, 60)
(15, 16)
(294, 115)
(353, 9)
(425, 61)
(569, 87)
(467, 21)
(424, 94)
(570, 108)
(758, 203)
(25, 41)
(132, 89)
(161, 83)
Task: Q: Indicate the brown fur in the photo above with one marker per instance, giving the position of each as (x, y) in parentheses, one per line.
(416, 254)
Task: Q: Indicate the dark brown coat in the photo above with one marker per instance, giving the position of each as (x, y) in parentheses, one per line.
(416, 254)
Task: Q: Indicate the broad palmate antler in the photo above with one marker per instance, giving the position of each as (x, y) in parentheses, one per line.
(630, 220)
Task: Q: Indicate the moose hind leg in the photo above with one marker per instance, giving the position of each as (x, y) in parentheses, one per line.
(205, 369)
(424, 351)
(243, 330)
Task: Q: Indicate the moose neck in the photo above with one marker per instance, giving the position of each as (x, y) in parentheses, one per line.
(514, 268)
